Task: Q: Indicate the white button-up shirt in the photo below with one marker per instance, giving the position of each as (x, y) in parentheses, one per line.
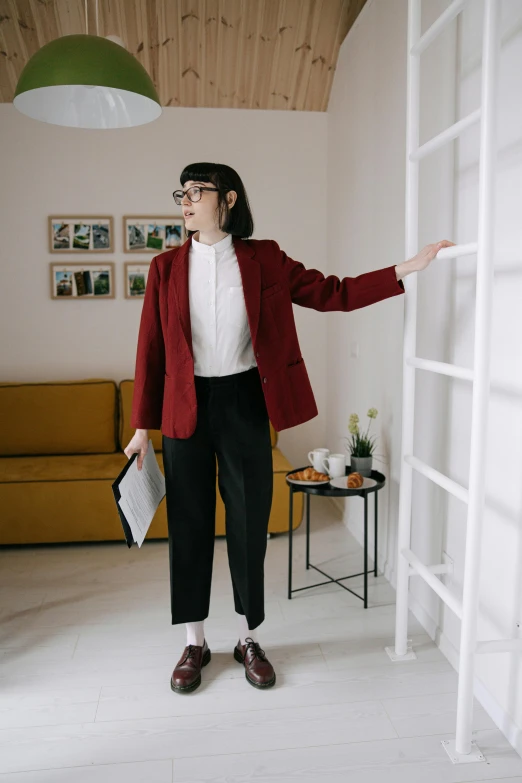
(221, 340)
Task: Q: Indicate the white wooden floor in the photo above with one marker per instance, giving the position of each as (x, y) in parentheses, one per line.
(87, 650)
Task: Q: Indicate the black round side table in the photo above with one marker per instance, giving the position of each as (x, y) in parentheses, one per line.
(328, 491)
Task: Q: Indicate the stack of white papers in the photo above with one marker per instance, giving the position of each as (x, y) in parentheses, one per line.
(138, 494)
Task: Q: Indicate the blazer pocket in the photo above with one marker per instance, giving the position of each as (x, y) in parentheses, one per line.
(271, 289)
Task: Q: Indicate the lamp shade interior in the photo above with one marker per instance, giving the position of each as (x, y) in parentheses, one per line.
(82, 106)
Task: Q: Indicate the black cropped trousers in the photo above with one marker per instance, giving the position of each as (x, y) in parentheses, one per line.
(232, 425)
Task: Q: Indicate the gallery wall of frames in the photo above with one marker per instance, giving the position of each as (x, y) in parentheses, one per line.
(78, 235)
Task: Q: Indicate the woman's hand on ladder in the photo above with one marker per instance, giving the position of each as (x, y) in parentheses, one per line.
(426, 256)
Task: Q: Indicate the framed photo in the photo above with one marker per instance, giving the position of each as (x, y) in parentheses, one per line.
(80, 234)
(136, 274)
(154, 234)
(82, 281)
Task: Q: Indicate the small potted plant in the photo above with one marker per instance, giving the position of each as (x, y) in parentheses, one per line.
(361, 447)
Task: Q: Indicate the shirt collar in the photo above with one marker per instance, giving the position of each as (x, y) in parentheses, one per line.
(218, 247)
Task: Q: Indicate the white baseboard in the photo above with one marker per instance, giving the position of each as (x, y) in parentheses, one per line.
(338, 504)
(496, 712)
(357, 531)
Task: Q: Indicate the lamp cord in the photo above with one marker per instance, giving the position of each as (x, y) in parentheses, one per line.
(87, 19)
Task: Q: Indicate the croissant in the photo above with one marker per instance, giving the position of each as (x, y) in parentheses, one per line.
(354, 480)
(309, 474)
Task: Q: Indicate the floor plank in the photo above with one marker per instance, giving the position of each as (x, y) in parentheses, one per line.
(87, 650)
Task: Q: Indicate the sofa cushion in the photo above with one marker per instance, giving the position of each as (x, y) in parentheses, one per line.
(74, 467)
(273, 437)
(81, 467)
(58, 417)
(127, 432)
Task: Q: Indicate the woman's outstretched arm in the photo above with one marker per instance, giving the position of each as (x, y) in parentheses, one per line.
(311, 288)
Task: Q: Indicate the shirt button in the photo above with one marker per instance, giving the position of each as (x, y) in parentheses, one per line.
(257, 354)
(264, 380)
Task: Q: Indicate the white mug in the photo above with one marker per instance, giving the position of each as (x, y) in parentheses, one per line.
(316, 458)
(335, 465)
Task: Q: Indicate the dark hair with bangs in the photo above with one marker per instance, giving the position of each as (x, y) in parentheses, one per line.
(238, 220)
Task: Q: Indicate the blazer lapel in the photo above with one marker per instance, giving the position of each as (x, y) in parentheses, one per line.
(250, 269)
(178, 293)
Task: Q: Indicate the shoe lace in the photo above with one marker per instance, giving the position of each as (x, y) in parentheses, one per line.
(250, 644)
(191, 652)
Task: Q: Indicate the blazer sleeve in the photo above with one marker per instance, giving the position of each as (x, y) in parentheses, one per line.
(149, 376)
(310, 288)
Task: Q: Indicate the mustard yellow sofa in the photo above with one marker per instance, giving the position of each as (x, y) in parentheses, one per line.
(61, 447)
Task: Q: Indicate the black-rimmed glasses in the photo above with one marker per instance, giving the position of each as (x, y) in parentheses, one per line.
(194, 193)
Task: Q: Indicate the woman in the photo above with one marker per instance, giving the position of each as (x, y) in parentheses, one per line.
(217, 359)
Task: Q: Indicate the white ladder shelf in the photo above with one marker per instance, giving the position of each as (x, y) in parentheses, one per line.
(462, 749)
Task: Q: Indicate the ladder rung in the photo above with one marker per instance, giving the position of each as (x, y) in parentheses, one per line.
(438, 26)
(500, 645)
(447, 135)
(439, 478)
(442, 591)
(441, 367)
(458, 250)
(440, 568)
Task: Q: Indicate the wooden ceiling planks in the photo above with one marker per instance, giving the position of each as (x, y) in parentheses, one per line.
(323, 58)
(254, 54)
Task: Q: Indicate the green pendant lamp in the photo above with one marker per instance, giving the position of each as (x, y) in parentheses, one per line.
(86, 81)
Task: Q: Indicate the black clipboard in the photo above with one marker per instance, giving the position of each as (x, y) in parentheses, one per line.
(129, 538)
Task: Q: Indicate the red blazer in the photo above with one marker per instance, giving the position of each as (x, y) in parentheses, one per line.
(164, 391)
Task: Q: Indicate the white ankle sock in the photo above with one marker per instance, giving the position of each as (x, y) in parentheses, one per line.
(195, 633)
(244, 630)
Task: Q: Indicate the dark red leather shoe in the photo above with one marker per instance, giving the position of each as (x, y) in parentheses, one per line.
(186, 676)
(258, 669)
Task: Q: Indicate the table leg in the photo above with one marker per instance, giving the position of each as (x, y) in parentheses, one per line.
(290, 520)
(375, 536)
(365, 550)
(307, 530)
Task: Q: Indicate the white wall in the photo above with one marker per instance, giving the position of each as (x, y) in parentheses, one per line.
(366, 179)
(45, 169)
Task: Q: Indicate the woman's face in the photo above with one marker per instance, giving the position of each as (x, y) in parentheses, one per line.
(204, 216)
